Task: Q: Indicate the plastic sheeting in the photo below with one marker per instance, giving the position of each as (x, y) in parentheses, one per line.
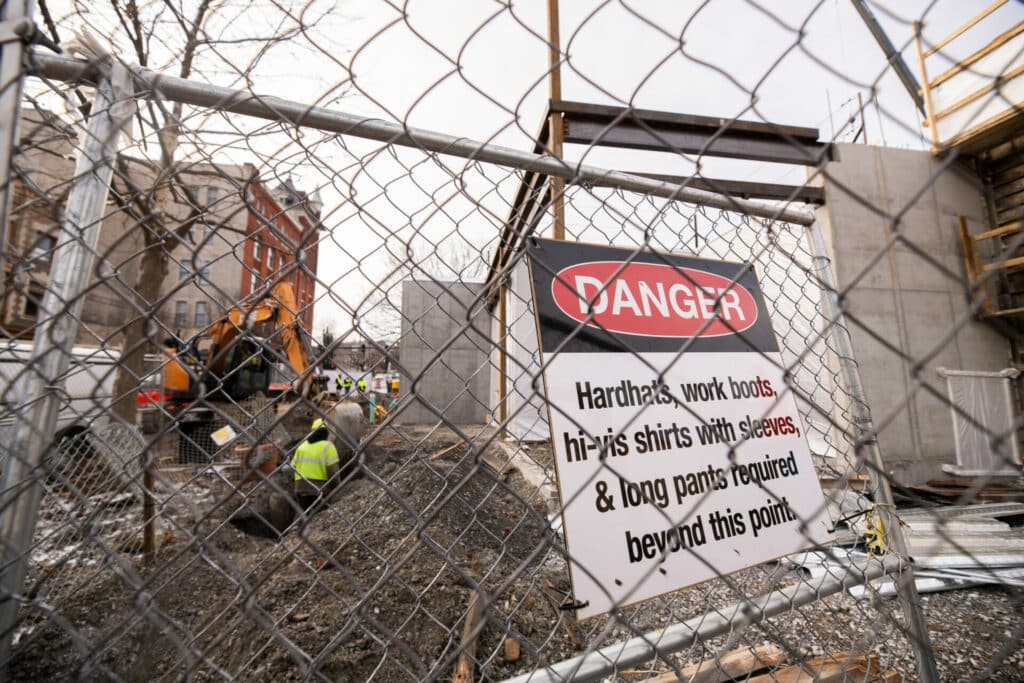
(982, 405)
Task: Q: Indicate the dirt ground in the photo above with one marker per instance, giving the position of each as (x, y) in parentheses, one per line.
(376, 586)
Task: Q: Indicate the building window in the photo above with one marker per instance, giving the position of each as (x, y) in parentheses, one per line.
(202, 314)
(181, 314)
(200, 233)
(257, 251)
(212, 195)
(32, 302)
(185, 270)
(255, 283)
(42, 250)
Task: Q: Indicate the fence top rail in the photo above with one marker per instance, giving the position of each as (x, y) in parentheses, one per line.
(329, 120)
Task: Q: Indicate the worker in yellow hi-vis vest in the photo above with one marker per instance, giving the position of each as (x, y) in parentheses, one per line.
(316, 466)
(361, 385)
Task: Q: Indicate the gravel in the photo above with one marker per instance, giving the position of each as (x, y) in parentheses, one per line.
(377, 585)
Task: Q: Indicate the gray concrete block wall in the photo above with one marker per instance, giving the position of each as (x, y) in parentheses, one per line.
(445, 353)
(905, 307)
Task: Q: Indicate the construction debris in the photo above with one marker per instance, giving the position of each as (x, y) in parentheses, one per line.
(769, 663)
(512, 650)
(951, 547)
(832, 669)
(952, 490)
(445, 451)
(466, 663)
(735, 664)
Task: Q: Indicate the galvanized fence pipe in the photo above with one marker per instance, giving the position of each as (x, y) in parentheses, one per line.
(328, 120)
(867, 443)
(14, 27)
(394, 239)
(594, 665)
(38, 396)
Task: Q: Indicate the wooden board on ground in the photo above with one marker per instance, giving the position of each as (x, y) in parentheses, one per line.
(735, 664)
(445, 451)
(854, 482)
(832, 669)
(990, 492)
(466, 663)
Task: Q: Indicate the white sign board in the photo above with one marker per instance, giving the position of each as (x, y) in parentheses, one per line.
(679, 450)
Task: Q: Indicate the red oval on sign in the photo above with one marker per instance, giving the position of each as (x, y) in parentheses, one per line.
(653, 299)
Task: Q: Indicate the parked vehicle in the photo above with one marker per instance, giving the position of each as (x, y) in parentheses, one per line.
(86, 388)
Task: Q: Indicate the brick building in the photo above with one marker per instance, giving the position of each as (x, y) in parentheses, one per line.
(282, 243)
(245, 237)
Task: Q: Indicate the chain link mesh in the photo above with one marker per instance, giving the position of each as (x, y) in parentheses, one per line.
(171, 538)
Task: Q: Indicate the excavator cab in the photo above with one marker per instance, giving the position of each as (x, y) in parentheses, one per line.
(181, 364)
(243, 347)
(248, 370)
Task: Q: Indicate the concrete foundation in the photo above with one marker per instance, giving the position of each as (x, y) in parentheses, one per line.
(890, 221)
(445, 353)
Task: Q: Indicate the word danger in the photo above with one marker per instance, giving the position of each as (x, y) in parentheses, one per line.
(653, 299)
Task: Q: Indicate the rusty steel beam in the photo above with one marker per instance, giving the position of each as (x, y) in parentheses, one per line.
(591, 124)
(744, 189)
(893, 55)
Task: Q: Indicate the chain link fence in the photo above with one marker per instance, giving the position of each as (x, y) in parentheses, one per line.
(222, 227)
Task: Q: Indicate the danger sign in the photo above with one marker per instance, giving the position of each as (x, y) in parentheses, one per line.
(679, 450)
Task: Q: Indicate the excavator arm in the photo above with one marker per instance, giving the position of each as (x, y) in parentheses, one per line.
(290, 333)
(237, 364)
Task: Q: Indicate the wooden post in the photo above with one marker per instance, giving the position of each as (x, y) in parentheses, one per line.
(926, 88)
(148, 506)
(502, 358)
(556, 132)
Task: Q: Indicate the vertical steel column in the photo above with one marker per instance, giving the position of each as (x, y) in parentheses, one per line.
(14, 25)
(38, 391)
(909, 600)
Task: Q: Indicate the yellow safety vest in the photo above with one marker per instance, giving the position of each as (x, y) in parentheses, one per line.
(311, 460)
(362, 385)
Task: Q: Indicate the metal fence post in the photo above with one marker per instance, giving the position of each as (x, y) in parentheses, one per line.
(38, 393)
(917, 628)
(14, 24)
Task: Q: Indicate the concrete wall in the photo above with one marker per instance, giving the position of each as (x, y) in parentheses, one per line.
(907, 308)
(445, 352)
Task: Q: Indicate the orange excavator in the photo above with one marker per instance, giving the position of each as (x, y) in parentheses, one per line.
(241, 351)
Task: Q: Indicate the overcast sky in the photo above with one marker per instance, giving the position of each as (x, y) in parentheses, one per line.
(478, 69)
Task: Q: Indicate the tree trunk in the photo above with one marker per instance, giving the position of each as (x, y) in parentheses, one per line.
(135, 341)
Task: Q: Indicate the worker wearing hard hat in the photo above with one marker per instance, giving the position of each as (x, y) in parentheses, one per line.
(316, 466)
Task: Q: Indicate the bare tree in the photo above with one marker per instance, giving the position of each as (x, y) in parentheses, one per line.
(450, 261)
(152, 192)
(155, 207)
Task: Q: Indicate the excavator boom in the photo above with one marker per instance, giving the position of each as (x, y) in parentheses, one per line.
(238, 363)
